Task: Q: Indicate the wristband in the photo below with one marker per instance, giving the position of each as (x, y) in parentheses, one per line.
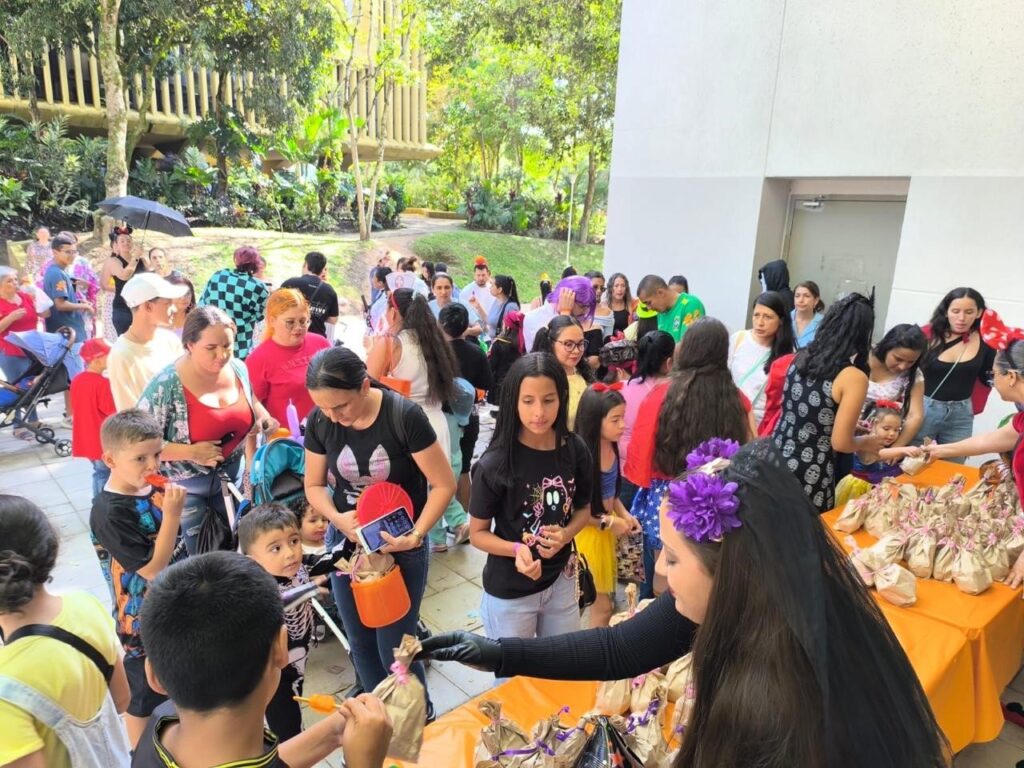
(417, 535)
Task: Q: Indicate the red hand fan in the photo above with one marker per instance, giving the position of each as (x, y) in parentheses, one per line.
(381, 498)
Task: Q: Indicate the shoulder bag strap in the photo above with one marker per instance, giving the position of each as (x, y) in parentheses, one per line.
(63, 636)
(948, 373)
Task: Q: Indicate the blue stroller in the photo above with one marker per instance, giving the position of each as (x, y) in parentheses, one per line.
(51, 373)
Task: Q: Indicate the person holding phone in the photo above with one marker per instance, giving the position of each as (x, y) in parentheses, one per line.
(206, 406)
(359, 434)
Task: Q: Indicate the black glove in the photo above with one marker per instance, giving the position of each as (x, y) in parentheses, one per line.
(464, 647)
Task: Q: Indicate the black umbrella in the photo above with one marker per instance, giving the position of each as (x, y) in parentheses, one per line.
(146, 214)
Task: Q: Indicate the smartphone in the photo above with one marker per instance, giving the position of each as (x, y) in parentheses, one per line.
(398, 522)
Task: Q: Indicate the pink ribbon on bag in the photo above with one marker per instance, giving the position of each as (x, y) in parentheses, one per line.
(401, 672)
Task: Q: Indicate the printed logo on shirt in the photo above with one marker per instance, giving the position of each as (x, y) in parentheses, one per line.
(378, 470)
(549, 503)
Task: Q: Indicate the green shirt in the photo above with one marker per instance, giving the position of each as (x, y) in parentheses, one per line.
(686, 310)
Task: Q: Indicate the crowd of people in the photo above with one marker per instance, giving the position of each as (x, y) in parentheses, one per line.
(606, 403)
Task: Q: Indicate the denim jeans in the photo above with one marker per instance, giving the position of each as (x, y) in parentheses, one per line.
(650, 558)
(554, 611)
(373, 649)
(454, 515)
(946, 422)
(203, 497)
(100, 475)
(14, 368)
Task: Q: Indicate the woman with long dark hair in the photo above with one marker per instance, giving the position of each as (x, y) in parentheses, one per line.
(778, 622)
(563, 338)
(620, 301)
(894, 374)
(359, 434)
(957, 367)
(823, 396)
(752, 352)
(415, 350)
(125, 261)
(506, 348)
(506, 299)
(531, 496)
(698, 402)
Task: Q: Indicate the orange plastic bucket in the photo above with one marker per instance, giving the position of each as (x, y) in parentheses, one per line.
(383, 601)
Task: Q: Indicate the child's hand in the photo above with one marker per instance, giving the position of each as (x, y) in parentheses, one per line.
(621, 526)
(367, 731)
(551, 540)
(526, 564)
(321, 582)
(174, 500)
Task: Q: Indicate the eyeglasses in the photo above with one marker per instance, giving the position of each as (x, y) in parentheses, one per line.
(572, 346)
(302, 322)
(990, 380)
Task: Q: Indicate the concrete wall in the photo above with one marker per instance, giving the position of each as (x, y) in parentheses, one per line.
(718, 99)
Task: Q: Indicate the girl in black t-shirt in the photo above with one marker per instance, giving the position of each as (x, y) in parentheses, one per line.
(530, 497)
(357, 435)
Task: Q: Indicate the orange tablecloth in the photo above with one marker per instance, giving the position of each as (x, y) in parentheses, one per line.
(992, 623)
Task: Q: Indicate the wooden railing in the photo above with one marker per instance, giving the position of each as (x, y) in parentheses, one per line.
(69, 83)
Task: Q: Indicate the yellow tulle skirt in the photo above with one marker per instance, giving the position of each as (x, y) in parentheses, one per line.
(850, 488)
(599, 548)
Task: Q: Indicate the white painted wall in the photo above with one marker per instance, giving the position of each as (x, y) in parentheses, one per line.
(717, 96)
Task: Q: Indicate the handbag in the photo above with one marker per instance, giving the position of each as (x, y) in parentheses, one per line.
(586, 590)
(401, 386)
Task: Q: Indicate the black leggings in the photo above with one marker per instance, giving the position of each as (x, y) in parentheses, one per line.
(468, 442)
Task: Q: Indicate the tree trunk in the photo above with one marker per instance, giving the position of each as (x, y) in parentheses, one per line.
(588, 201)
(117, 110)
(381, 140)
(357, 172)
(136, 133)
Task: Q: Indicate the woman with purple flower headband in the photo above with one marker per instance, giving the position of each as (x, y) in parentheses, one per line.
(780, 627)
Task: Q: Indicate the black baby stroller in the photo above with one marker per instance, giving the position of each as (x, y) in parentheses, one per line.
(50, 374)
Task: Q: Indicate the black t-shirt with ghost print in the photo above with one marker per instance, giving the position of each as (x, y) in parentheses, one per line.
(356, 458)
(548, 488)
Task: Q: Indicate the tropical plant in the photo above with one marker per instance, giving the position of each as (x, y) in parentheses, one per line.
(14, 199)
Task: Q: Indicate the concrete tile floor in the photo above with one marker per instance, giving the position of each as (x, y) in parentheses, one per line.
(63, 488)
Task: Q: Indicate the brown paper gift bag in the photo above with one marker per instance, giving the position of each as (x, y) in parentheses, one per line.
(406, 702)
(897, 585)
(613, 697)
(678, 677)
(500, 735)
(885, 551)
(969, 574)
(632, 593)
(646, 735)
(942, 568)
(852, 517)
(644, 689)
(571, 742)
(996, 559)
(920, 554)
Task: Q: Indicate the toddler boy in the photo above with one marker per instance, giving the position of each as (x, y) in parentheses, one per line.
(269, 534)
(139, 526)
(92, 402)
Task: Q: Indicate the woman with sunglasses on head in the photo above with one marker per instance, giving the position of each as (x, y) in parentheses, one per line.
(1008, 380)
(794, 664)
(277, 366)
(563, 338)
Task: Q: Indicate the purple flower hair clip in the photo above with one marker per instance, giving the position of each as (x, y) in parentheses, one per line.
(703, 505)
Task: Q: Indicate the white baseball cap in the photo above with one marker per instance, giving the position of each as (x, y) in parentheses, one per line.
(148, 286)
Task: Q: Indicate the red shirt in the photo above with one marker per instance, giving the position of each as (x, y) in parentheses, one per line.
(26, 323)
(91, 401)
(278, 374)
(640, 469)
(773, 394)
(1018, 454)
(213, 424)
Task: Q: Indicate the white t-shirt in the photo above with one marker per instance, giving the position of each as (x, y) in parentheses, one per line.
(131, 366)
(483, 295)
(746, 364)
(536, 319)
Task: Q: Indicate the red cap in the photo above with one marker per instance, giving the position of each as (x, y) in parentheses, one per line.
(94, 348)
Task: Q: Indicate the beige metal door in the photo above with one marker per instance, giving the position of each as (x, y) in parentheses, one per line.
(844, 246)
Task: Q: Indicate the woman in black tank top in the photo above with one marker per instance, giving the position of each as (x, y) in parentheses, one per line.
(120, 267)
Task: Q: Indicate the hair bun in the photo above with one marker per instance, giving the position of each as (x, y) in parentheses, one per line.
(17, 582)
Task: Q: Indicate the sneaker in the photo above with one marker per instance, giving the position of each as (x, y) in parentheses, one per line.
(66, 422)
(24, 434)
(461, 535)
(435, 548)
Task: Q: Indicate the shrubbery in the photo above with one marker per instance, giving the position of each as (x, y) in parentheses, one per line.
(47, 177)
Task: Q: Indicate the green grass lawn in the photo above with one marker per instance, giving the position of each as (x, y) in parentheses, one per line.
(524, 258)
